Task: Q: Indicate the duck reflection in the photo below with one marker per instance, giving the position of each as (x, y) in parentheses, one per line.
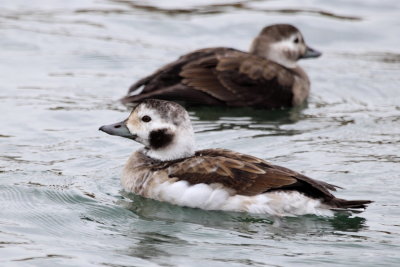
(148, 209)
(151, 245)
(267, 123)
(253, 115)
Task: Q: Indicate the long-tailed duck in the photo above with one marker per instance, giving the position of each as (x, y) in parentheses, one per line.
(169, 169)
(267, 76)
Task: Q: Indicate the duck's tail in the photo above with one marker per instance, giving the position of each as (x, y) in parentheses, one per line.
(339, 203)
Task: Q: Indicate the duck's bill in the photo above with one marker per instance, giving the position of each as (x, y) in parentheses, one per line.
(118, 129)
(310, 53)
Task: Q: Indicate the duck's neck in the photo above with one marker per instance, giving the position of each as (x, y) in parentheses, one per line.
(275, 52)
(282, 61)
(182, 146)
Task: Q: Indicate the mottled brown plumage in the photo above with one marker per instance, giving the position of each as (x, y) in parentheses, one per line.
(249, 176)
(266, 77)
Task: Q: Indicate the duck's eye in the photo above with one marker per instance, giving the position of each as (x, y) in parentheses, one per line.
(296, 41)
(146, 118)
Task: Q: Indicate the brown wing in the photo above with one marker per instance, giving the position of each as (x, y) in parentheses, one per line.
(241, 79)
(245, 174)
(217, 76)
(166, 82)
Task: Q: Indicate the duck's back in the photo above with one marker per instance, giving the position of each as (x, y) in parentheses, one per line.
(224, 76)
(166, 82)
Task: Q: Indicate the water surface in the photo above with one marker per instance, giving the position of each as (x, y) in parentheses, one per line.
(65, 64)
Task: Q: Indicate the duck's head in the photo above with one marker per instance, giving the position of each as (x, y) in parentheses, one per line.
(163, 127)
(283, 44)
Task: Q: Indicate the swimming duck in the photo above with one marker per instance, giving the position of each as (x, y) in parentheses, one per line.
(267, 76)
(169, 169)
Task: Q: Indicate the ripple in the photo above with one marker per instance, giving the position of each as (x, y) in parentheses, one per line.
(385, 57)
(216, 9)
(60, 190)
(49, 212)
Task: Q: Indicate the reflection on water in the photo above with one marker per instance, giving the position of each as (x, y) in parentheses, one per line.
(218, 8)
(253, 115)
(65, 64)
(149, 209)
(384, 57)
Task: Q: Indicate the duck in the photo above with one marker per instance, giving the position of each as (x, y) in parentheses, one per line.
(267, 76)
(169, 169)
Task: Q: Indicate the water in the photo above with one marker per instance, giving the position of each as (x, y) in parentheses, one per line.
(65, 64)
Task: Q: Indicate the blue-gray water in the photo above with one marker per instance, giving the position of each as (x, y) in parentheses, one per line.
(63, 66)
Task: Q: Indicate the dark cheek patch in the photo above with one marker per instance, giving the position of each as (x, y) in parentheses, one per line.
(160, 138)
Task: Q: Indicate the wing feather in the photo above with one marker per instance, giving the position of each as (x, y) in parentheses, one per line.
(238, 78)
(244, 174)
(219, 75)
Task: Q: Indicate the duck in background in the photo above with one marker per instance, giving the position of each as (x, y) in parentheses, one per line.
(169, 169)
(267, 76)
